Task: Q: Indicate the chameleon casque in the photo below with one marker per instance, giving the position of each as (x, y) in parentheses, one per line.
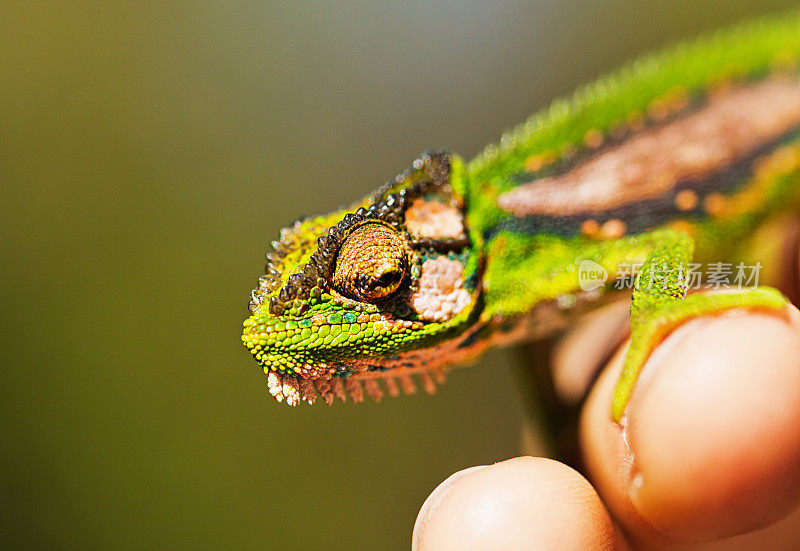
(681, 153)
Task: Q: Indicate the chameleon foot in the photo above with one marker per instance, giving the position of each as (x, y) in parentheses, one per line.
(651, 324)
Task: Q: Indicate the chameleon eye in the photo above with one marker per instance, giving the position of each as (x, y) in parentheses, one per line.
(371, 263)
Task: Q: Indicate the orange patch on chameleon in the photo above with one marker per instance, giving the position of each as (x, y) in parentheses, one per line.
(613, 229)
(535, 163)
(686, 200)
(440, 294)
(593, 139)
(715, 204)
(683, 226)
(670, 103)
(590, 228)
(434, 220)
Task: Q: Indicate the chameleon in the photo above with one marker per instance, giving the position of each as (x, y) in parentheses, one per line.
(678, 156)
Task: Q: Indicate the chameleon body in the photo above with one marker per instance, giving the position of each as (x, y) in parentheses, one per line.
(681, 153)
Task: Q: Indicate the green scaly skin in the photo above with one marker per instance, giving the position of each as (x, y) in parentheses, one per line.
(304, 329)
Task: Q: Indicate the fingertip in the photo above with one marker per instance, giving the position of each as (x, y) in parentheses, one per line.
(432, 502)
(522, 503)
(711, 443)
(714, 427)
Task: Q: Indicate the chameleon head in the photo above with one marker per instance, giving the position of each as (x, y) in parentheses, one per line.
(362, 292)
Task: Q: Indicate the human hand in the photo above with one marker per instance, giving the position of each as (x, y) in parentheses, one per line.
(708, 457)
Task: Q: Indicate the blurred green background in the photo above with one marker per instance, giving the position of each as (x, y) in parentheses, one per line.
(148, 153)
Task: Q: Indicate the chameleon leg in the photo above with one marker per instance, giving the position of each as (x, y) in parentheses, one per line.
(659, 305)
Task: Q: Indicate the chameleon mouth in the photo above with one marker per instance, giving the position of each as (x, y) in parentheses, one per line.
(392, 374)
(314, 357)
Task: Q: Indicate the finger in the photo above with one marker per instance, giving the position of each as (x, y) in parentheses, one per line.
(711, 443)
(587, 347)
(524, 503)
